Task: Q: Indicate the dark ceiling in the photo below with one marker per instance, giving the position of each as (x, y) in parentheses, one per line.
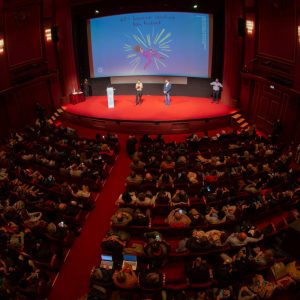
(87, 8)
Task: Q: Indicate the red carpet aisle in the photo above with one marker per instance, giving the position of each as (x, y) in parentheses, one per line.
(73, 278)
(152, 108)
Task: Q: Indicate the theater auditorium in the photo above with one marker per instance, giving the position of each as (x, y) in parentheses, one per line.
(149, 150)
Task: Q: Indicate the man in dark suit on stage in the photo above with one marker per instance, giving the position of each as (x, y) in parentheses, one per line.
(86, 87)
(167, 92)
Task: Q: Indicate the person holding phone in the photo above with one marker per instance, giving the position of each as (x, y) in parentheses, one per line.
(178, 218)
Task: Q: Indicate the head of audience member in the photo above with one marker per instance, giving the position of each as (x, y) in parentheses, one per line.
(242, 236)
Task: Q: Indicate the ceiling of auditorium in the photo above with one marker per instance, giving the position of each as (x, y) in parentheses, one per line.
(87, 7)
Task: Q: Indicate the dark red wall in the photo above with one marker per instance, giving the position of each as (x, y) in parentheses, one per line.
(29, 68)
(270, 89)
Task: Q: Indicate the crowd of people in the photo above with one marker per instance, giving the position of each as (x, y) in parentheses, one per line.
(48, 175)
(230, 198)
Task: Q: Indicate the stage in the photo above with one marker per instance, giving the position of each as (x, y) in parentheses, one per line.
(185, 114)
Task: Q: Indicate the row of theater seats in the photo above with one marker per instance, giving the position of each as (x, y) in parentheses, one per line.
(265, 197)
(48, 183)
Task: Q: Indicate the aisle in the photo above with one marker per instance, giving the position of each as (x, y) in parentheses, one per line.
(73, 279)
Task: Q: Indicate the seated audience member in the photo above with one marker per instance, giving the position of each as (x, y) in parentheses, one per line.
(164, 181)
(145, 199)
(192, 177)
(137, 165)
(153, 163)
(149, 279)
(84, 192)
(134, 179)
(230, 211)
(122, 217)
(241, 264)
(125, 278)
(198, 241)
(215, 217)
(126, 198)
(149, 178)
(198, 270)
(179, 198)
(178, 218)
(263, 288)
(181, 161)
(223, 270)
(101, 275)
(262, 257)
(281, 275)
(225, 293)
(140, 218)
(105, 150)
(167, 164)
(241, 239)
(196, 218)
(293, 269)
(156, 247)
(115, 241)
(181, 178)
(215, 237)
(77, 170)
(246, 294)
(163, 197)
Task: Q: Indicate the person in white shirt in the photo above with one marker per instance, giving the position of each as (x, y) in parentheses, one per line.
(217, 85)
(139, 92)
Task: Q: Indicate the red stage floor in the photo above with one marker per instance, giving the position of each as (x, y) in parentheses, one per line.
(152, 109)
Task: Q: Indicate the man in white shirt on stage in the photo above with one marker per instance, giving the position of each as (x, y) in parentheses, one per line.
(217, 85)
(167, 91)
(139, 92)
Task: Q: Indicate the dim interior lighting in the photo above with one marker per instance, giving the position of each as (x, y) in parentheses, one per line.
(195, 6)
(250, 26)
(1, 45)
(48, 34)
(97, 12)
(272, 87)
(299, 33)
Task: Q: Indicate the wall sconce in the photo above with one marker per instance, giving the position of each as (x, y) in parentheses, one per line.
(249, 26)
(1, 46)
(48, 35)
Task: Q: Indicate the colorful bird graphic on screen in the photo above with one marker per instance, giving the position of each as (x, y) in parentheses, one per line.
(149, 49)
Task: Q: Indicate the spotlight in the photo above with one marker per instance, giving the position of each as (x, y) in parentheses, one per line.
(195, 6)
(272, 87)
(97, 12)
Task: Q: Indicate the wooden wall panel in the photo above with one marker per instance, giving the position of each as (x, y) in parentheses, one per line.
(277, 29)
(23, 34)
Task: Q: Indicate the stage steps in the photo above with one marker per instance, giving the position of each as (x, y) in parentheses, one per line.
(56, 115)
(238, 121)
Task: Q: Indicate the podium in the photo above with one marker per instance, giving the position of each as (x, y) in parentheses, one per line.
(110, 97)
(76, 97)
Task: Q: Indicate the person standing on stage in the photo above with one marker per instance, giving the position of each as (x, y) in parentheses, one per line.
(86, 87)
(139, 92)
(167, 92)
(217, 85)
